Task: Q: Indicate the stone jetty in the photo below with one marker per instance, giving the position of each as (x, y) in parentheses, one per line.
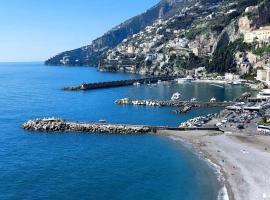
(60, 125)
(181, 106)
(57, 125)
(110, 84)
(198, 121)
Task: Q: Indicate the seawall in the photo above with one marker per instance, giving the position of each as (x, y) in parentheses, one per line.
(110, 84)
(181, 106)
(60, 125)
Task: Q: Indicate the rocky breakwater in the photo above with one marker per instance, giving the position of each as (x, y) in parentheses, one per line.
(148, 102)
(181, 106)
(60, 125)
(198, 121)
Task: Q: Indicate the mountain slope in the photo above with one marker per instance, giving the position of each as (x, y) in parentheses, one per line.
(217, 35)
(91, 54)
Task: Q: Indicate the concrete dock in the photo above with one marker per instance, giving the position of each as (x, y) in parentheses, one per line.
(110, 84)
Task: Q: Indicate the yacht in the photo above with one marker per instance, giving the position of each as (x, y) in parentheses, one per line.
(137, 83)
(176, 96)
(213, 100)
(102, 121)
(193, 99)
(237, 82)
(187, 79)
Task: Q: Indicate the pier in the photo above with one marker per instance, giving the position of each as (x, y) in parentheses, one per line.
(54, 125)
(111, 84)
(182, 106)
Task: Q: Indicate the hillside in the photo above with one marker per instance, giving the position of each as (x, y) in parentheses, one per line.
(206, 34)
(91, 54)
(177, 37)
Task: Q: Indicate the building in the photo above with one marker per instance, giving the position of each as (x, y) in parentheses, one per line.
(130, 49)
(201, 71)
(263, 75)
(261, 35)
(231, 77)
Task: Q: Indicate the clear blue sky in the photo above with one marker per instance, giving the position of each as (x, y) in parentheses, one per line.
(33, 30)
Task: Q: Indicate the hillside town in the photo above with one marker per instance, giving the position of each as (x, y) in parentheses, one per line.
(171, 47)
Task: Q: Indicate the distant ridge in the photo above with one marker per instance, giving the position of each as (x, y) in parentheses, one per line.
(91, 54)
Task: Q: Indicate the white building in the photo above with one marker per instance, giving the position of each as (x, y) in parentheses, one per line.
(260, 35)
(130, 49)
(263, 75)
(231, 77)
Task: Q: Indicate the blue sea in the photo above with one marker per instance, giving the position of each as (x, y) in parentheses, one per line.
(92, 166)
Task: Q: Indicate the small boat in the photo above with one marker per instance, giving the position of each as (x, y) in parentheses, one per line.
(213, 100)
(237, 82)
(159, 82)
(102, 121)
(193, 99)
(176, 96)
(187, 79)
(137, 83)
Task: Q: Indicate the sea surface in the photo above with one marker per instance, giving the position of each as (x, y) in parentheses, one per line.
(98, 167)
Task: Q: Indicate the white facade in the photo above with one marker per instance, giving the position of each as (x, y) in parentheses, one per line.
(263, 75)
(260, 35)
(231, 77)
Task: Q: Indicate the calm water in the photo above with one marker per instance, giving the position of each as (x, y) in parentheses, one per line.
(78, 166)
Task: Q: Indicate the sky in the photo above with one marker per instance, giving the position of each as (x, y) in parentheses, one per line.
(34, 30)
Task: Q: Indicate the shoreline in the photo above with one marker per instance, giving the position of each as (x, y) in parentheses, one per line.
(234, 156)
(224, 192)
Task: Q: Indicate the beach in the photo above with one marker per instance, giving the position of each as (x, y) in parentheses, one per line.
(243, 160)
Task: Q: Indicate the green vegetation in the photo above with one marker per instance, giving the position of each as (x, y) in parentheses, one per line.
(263, 50)
(249, 76)
(188, 62)
(264, 121)
(223, 58)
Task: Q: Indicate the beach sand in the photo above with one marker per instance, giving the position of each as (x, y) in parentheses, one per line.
(244, 160)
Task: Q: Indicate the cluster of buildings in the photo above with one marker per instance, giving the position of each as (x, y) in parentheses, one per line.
(153, 50)
(261, 35)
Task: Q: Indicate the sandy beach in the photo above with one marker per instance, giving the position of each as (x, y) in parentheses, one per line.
(243, 159)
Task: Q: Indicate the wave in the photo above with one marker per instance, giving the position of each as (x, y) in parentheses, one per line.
(223, 192)
(220, 86)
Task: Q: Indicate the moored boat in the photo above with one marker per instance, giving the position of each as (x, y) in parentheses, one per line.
(213, 100)
(176, 96)
(193, 99)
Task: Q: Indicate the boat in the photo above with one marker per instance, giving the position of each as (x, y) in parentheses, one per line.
(176, 96)
(213, 100)
(159, 82)
(102, 121)
(238, 82)
(193, 99)
(187, 79)
(137, 83)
